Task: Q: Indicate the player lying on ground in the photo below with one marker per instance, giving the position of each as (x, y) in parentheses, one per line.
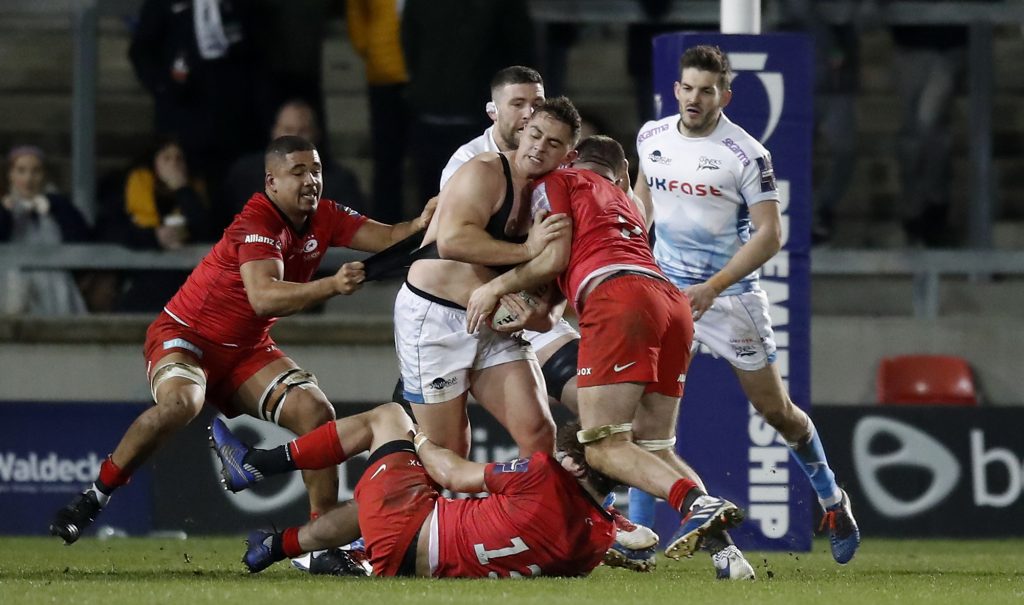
(543, 515)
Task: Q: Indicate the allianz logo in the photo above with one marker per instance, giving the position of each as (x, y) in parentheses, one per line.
(48, 468)
(919, 450)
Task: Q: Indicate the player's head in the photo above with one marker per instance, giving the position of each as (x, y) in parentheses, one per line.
(25, 170)
(703, 89)
(603, 155)
(297, 118)
(573, 458)
(549, 137)
(515, 92)
(293, 174)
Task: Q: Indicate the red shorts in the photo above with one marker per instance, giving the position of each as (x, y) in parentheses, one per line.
(635, 329)
(394, 495)
(226, 367)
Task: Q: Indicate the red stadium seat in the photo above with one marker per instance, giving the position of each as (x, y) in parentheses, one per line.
(926, 379)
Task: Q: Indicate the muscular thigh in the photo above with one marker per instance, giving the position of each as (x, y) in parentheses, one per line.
(279, 382)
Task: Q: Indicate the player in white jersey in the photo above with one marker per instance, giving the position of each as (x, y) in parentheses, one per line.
(706, 184)
(515, 92)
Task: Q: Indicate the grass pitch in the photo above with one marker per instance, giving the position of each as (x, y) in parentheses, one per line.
(207, 570)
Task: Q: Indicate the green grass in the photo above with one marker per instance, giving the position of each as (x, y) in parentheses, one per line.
(206, 570)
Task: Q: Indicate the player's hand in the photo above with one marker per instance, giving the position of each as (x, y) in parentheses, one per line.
(428, 213)
(701, 296)
(546, 228)
(349, 278)
(482, 302)
(522, 310)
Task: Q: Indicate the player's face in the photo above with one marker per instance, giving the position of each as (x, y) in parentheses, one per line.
(545, 144)
(701, 99)
(297, 182)
(515, 104)
(26, 175)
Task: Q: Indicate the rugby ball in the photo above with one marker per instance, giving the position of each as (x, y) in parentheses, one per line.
(503, 316)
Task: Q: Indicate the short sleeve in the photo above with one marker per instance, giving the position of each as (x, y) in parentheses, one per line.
(254, 239)
(344, 223)
(757, 181)
(514, 475)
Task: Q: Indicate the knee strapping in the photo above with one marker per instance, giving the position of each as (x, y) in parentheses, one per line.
(289, 379)
(177, 369)
(600, 432)
(654, 445)
(560, 368)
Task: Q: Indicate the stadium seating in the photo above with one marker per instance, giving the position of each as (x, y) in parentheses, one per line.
(926, 379)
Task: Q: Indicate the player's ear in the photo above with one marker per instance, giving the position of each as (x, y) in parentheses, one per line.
(571, 157)
(726, 97)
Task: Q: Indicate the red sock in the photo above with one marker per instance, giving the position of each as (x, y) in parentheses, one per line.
(111, 475)
(677, 495)
(290, 542)
(319, 448)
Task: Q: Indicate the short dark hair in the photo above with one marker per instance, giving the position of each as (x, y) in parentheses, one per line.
(708, 58)
(568, 444)
(601, 149)
(282, 146)
(562, 109)
(515, 74)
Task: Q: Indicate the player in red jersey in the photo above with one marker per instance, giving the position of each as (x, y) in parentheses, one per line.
(543, 515)
(212, 343)
(635, 335)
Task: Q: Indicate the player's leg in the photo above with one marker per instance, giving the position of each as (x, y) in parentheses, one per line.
(178, 386)
(557, 354)
(513, 392)
(446, 422)
(282, 393)
(336, 527)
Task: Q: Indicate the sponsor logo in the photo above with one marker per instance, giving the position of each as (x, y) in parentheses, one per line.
(682, 378)
(254, 238)
(380, 469)
(310, 246)
(181, 343)
(744, 350)
(706, 163)
(617, 368)
(695, 189)
(737, 151)
(643, 136)
(764, 164)
(768, 478)
(656, 157)
(48, 468)
(443, 383)
(583, 372)
(519, 465)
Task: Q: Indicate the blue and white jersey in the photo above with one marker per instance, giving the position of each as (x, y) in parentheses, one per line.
(467, 152)
(702, 189)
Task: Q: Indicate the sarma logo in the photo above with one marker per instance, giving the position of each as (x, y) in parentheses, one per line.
(916, 449)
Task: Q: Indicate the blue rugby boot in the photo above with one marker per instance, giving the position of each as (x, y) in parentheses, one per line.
(235, 474)
(707, 515)
(843, 533)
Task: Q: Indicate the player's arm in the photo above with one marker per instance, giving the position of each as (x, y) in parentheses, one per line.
(641, 196)
(374, 237)
(450, 470)
(465, 207)
(543, 268)
(762, 245)
(271, 296)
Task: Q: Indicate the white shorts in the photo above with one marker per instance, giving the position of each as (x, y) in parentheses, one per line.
(738, 329)
(539, 340)
(436, 354)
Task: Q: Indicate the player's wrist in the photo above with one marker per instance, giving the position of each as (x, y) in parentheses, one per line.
(418, 440)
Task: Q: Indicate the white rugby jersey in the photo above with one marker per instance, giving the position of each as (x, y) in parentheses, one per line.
(702, 189)
(467, 152)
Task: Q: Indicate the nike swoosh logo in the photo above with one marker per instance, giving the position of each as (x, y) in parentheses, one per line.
(619, 368)
(379, 470)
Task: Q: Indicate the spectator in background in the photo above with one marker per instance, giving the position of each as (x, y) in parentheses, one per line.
(836, 82)
(291, 47)
(246, 176)
(197, 59)
(930, 62)
(157, 206)
(447, 77)
(31, 215)
(374, 30)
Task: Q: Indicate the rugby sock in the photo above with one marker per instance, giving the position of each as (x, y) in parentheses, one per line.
(289, 543)
(319, 448)
(641, 507)
(810, 454)
(683, 493)
(110, 478)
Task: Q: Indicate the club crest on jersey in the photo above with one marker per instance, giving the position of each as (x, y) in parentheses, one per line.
(706, 163)
(519, 465)
(310, 246)
(656, 157)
